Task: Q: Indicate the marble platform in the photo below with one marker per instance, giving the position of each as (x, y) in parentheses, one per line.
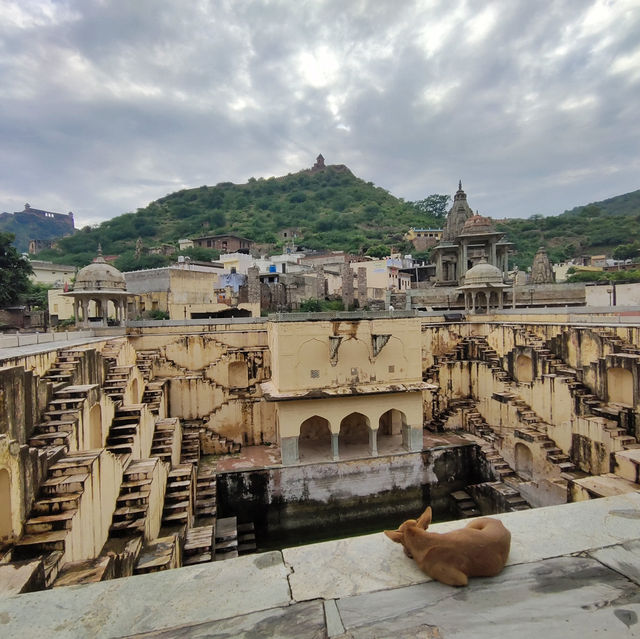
(574, 571)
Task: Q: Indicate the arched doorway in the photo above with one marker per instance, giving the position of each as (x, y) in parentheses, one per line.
(524, 461)
(95, 427)
(524, 368)
(238, 375)
(354, 436)
(620, 386)
(6, 518)
(135, 398)
(314, 442)
(390, 427)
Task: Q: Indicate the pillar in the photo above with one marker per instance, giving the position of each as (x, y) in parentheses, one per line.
(85, 312)
(347, 286)
(412, 438)
(335, 446)
(253, 285)
(319, 270)
(289, 451)
(362, 287)
(463, 269)
(373, 442)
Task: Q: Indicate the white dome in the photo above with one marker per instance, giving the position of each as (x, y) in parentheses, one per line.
(99, 276)
(482, 274)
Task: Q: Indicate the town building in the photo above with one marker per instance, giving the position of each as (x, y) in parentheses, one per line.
(51, 274)
(423, 239)
(224, 243)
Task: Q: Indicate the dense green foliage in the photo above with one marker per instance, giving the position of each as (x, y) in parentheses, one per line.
(598, 228)
(620, 277)
(27, 226)
(333, 209)
(329, 209)
(14, 272)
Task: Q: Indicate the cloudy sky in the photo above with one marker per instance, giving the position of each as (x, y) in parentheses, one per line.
(109, 104)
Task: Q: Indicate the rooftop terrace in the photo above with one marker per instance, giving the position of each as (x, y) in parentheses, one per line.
(573, 571)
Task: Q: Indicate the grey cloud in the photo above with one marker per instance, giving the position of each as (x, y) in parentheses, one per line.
(120, 103)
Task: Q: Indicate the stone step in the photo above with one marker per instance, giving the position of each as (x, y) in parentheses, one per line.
(58, 426)
(64, 484)
(57, 503)
(130, 512)
(45, 523)
(57, 438)
(136, 498)
(32, 545)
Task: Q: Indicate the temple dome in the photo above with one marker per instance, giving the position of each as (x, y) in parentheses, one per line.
(477, 225)
(482, 274)
(99, 276)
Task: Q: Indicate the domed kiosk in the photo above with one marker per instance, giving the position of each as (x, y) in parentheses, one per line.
(97, 286)
(483, 282)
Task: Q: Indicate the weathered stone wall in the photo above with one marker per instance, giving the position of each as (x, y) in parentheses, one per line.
(331, 495)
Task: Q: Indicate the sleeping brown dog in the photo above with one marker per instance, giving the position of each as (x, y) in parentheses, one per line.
(480, 549)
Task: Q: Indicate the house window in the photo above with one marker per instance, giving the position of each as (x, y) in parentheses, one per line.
(315, 374)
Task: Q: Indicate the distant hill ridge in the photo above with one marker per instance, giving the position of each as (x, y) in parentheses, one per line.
(36, 224)
(330, 208)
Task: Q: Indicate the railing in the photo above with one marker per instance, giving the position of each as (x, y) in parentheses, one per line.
(28, 339)
(342, 315)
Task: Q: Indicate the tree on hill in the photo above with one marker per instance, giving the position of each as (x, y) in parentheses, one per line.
(434, 205)
(14, 272)
(627, 251)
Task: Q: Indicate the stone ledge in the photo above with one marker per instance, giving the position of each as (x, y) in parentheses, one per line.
(372, 589)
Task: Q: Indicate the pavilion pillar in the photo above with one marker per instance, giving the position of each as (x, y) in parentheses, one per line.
(289, 451)
(335, 446)
(85, 312)
(373, 442)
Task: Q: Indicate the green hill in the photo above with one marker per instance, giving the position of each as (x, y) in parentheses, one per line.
(33, 224)
(599, 227)
(332, 209)
(329, 208)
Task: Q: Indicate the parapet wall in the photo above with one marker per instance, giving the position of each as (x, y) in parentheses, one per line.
(313, 497)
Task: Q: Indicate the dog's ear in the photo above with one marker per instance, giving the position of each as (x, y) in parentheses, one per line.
(394, 535)
(425, 518)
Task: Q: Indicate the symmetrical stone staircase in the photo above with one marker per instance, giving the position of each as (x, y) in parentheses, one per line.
(111, 351)
(132, 505)
(124, 429)
(226, 535)
(206, 502)
(60, 419)
(65, 369)
(439, 420)
(190, 449)
(199, 545)
(154, 394)
(463, 504)
(216, 444)
(49, 527)
(179, 500)
(116, 382)
(144, 362)
(585, 401)
(163, 446)
(246, 538)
